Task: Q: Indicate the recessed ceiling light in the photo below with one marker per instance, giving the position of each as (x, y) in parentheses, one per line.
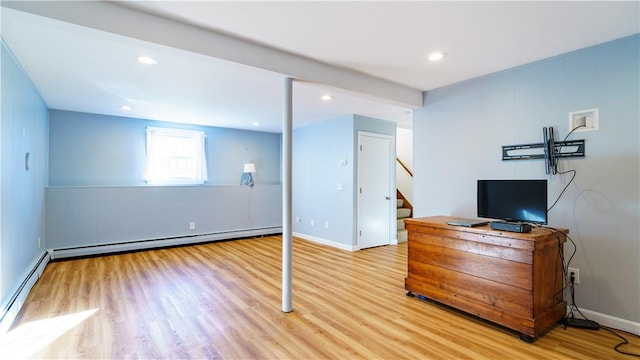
(147, 60)
(255, 123)
(326, 97)
(125, 107)
(437, 56)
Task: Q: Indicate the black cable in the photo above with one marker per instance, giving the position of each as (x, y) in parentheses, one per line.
(575, 307)
(565, 139)
(565, 188)
(622, 343)
(562, 262)
(565, 268)
(569, 281)
(555, 170)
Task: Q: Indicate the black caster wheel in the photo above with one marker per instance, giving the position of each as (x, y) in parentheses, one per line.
(410, 294)
(528, 339)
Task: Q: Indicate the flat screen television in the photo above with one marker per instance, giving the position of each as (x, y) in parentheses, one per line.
(513, 200)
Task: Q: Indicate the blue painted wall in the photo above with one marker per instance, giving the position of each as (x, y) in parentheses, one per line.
(23, 128)
(97, 194)
(458, 136)
(99, 150)
(324, 190)
(317, 152)
(94, 215)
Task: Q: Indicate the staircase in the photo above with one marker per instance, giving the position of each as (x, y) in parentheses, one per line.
(403, 211)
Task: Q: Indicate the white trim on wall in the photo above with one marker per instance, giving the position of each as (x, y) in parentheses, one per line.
(612, 321)
(326, 242)
(157, 243)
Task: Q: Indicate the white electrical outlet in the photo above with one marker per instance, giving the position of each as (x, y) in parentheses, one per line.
(576, 275)
(313, 223)
(298, 219)
(192, 225)
(326, 224)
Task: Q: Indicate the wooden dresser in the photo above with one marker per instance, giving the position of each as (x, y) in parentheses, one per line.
(512, 279)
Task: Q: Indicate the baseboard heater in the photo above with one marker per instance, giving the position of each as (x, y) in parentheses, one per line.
(99, 249)
(14, 304)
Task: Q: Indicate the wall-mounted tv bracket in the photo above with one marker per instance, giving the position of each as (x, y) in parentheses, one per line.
(549, 150)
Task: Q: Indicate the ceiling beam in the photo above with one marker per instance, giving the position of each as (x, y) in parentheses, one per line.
(113, 18)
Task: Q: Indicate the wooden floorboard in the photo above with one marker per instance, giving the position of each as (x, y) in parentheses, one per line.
(222, 301)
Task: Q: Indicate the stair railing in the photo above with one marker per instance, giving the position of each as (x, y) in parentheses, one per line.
(404, 183)
(404, 166)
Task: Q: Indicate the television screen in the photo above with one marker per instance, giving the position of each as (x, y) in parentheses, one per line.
(513, 200)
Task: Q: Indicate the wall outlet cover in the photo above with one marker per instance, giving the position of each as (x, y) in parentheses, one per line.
(584, 120)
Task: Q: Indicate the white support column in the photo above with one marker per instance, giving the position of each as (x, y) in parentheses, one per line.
(287, 135)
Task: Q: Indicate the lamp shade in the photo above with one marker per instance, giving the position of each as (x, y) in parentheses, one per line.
(249, 167)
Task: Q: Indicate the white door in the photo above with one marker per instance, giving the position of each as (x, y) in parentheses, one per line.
(374, 190)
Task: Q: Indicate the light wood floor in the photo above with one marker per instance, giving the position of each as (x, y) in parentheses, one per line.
(223, 300)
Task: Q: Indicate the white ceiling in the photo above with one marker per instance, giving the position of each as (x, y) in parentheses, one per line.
(82, 57)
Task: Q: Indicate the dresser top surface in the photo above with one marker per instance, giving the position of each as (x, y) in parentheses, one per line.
(440, 222)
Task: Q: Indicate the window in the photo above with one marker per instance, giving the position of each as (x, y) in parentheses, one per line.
(175, 157)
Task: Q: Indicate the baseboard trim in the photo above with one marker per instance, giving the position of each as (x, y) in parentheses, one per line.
(612, 321)
(326, 242)
(12, 307)
(101, 249)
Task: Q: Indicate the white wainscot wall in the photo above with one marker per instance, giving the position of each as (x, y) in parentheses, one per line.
(92, 220)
